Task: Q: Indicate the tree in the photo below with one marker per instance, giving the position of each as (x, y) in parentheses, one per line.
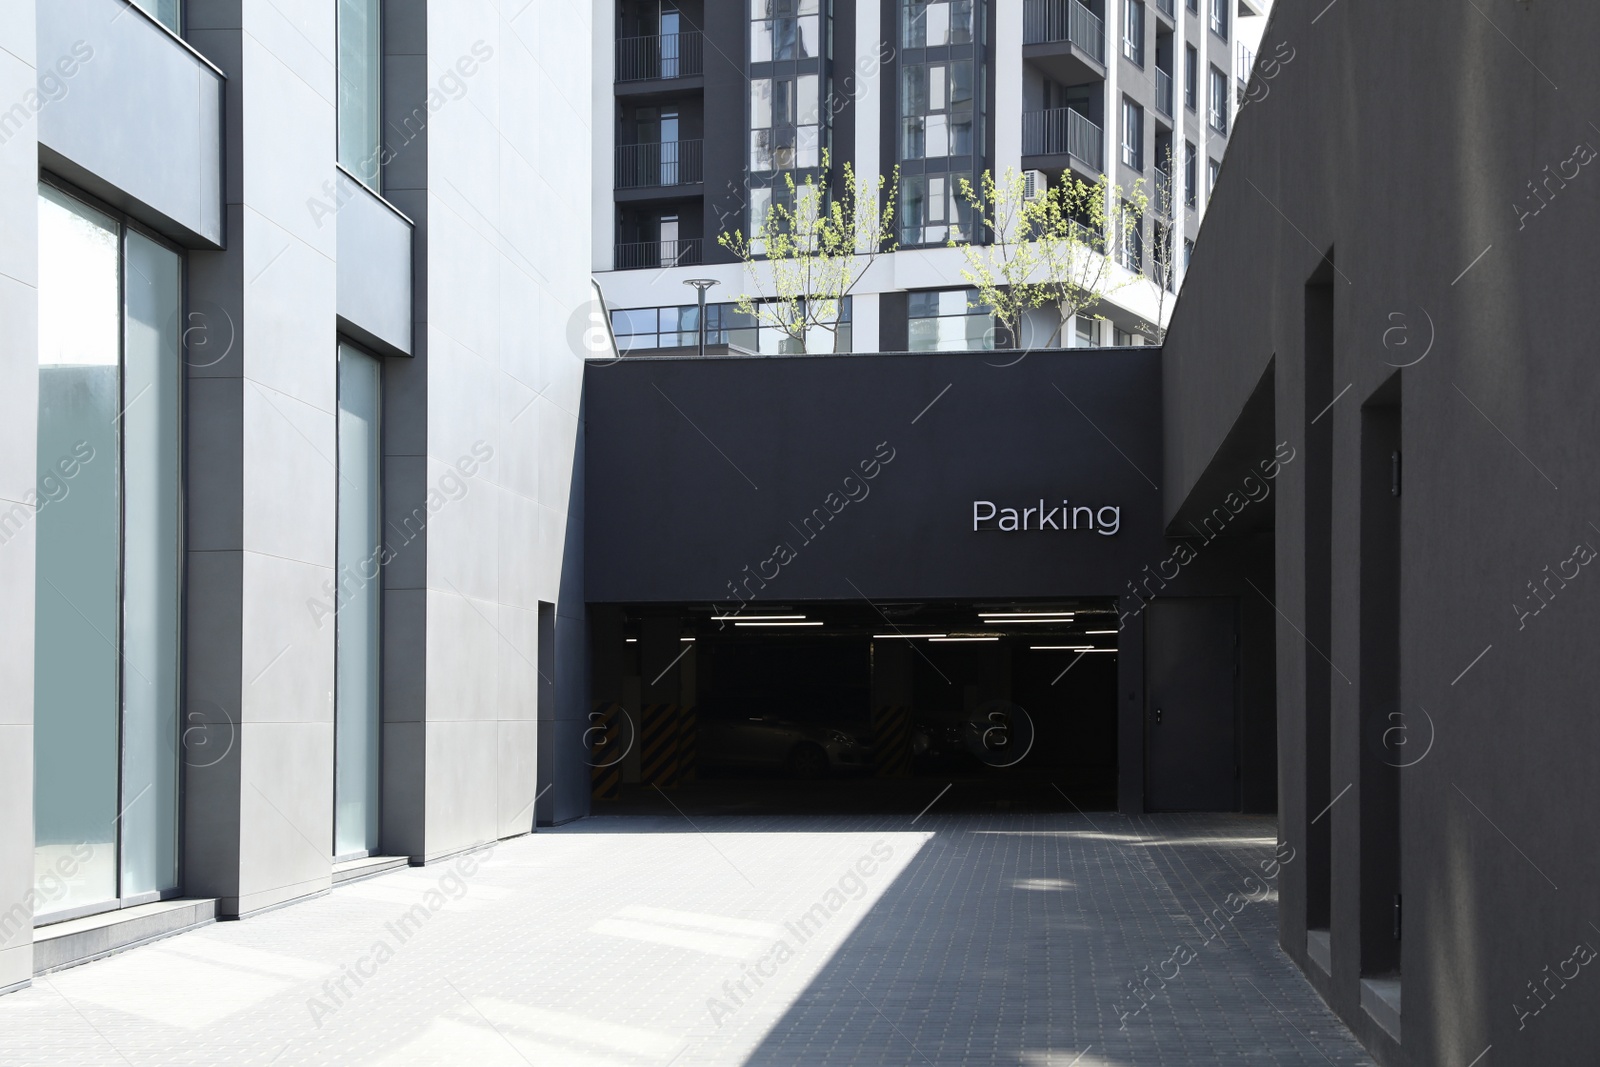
(1051, 249)
(813, 248)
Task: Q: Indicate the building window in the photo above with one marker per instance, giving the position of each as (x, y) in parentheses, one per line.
(1087, 330)
(1191, 175)
(107, 518)
(1133, 30)
(361, 89)
(1188, 254)
(1194, 7)
(1219, 101)
(1132, 244)
(933, 23)
(784, 128)
(1219, 18)
(782, 30)
(358, 623)
(936, 110)
(1121, 338)
(167, 12)
(949, 321)
(932, 209)
(1133, 135)
(1191, 76)
(1213, 169)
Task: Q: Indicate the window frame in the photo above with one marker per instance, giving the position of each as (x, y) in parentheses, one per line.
(1133, 36)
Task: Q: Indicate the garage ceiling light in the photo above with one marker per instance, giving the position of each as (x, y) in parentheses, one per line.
(753, 618)
(773, 622)
(995, 637)
(1025, 614)
(903, 637)
(1061, 648)
(1026, 622)
(1101, 631)
(632, 640)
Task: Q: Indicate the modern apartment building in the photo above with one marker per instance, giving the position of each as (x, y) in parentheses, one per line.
(715, 101)
(288, 449)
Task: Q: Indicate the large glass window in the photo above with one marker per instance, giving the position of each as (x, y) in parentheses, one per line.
(1191, 175)
(949, 321)
(785, 117)
(936, 110)
(167, 12)
(1191, 76)
(358, 629)
(782, 30)
(935, 23)
(1219, 18)
(932, 209)
(106, 630)
(361, 89)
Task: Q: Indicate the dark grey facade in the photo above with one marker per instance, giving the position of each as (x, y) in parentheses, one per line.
(717, 483)
(1394, 279)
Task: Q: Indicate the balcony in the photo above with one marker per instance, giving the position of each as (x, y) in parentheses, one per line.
(659, 165)
(649, 255)
(660, 57)
(1163, 92)
(1056, 21)
(1062, 131)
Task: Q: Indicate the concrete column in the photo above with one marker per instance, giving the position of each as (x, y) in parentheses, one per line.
(19, 409)
(1130, 707)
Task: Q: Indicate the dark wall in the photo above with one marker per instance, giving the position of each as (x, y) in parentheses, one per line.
(702, 475)
(1446, 186)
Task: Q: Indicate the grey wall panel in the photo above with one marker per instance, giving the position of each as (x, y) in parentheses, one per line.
(133, 116)
(374, 269)
(1484, 288)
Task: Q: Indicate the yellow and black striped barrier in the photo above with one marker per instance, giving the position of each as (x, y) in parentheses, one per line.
(605, 749)
(688, 742)
(891, 739)
(658, 745)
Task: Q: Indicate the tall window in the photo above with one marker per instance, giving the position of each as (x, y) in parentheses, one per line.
(361, 89)
(1194, 7)
(784, 126)
(1219, 18)
(1132, 241)
(936, 106)
(107, 574)
(1132, 135)
(1133, 30)
(782, 30)
(1219, 101)
(1191, 174)
(949, 321)
(358, 623)
(167, 12)
(1191, 77)
(1213, 169)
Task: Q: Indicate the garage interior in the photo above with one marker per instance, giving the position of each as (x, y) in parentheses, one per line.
(834, 707)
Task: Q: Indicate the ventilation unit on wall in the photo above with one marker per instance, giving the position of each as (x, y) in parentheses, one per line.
(1034, 183)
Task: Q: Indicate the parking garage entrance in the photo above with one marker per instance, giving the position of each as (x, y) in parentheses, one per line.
(861, 708)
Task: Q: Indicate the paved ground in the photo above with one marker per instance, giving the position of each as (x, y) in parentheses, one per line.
(637, 941)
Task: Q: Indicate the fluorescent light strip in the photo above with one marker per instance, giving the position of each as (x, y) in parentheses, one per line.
(1102, 631)
(1026, 614)
(632, 640)
(902, 637)
(1061, 648)
(1023, 622)
(753, 618)
(994, 638)
(686, 640)
(773, 622)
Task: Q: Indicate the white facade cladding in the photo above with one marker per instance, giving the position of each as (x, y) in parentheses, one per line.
(289, 448)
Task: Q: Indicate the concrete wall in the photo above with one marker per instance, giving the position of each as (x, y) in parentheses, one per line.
(1447, 188)
(19, 406)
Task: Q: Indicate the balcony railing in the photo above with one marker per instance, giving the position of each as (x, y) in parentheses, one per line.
(664, 55)
(648, 166)
(1051, 21)
(1163, 92)
(1050, 133)
(647, 255)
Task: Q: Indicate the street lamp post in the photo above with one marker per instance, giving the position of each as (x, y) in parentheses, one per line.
(701, 285)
